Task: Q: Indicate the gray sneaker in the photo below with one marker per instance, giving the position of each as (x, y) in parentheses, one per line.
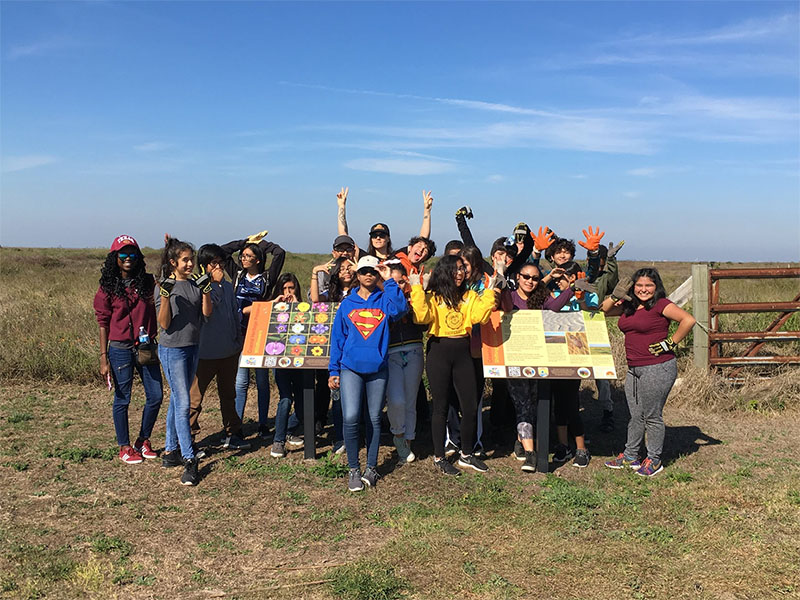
(355, 481)
(370, 477)
(234, 442)
(294, 441)
(278, 450)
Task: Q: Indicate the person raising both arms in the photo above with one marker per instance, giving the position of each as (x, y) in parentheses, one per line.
(182, 303)
(380, 241)
(645, 315)
(450, 310)
(126, 315)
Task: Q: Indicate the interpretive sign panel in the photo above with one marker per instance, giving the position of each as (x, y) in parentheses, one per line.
(538, 344)
(289, 335)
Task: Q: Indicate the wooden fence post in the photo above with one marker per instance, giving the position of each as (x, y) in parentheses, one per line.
(701, 313)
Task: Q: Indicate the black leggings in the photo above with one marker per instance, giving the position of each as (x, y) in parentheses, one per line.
(566, 404)
(449, 363)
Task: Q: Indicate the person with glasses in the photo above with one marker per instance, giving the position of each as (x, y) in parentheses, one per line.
(253, 282)
(450, 310)
(380, 241)
(531, 293)
(358, 361)
(126, 314)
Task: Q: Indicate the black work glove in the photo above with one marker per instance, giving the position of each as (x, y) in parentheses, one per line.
(466, 211)
(165, 286)
(202, 281)
(659, 348)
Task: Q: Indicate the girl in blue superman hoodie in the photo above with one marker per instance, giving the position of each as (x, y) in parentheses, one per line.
(358, 364)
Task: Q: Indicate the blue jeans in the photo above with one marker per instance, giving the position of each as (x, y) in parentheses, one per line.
(290, 389)
(122, 364)
(180, 366)
(262, 387)
(405, 372)
(352, 387)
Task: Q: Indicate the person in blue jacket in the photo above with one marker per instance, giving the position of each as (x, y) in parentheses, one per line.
(359, 360)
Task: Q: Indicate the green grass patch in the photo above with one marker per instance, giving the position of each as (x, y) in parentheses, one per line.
(105, 544)
(17, 465)
(484, 492)
(79, 455)
(367, 580)
(569, 496)
(19, 417)
(328, 467)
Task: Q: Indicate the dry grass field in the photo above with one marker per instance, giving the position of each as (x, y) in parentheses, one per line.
(722, 520)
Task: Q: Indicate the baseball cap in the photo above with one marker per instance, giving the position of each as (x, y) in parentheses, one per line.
(343, 239)
(367, 262)
(123, 240)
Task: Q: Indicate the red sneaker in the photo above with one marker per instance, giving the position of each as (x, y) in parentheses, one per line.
(130, 456)
(145, 449)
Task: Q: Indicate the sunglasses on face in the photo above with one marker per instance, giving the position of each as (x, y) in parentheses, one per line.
(126, 255)
(365, 272)
(529, 277)
(378, 234)
(345, 248)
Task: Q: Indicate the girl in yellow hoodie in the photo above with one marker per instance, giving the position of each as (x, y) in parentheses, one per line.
(450, 310)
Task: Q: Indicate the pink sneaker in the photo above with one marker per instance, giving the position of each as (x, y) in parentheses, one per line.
(145, 449)
(130, 456)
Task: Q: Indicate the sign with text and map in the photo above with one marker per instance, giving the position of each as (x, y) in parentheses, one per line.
(288, 335)
(538, 344)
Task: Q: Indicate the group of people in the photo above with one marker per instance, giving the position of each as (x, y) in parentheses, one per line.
(390, 304)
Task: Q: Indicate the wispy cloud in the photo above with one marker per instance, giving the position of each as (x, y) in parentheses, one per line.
(495, 178)
(42, 47)
(11, 164)
(152, 147)
(399, 166)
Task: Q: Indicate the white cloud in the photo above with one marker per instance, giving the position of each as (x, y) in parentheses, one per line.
(40, 47)
(152, 147)
(399, 166)
(631, 195)
(20, 163)
(495, 178)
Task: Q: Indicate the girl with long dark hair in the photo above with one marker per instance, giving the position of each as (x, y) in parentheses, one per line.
(450, 310)
(645, 315)
(180, 306)
(126, 315)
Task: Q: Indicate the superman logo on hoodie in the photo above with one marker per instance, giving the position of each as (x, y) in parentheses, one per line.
(366, 320)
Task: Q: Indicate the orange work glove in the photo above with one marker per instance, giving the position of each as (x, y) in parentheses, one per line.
(593, 238)
(543, 239)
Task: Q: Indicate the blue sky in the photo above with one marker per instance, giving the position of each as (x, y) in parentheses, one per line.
(672, 125)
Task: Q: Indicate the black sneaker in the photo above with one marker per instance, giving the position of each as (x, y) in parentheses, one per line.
(607, 422)
(582, 458)
(189, 476)
(529, 466)
(446, 467)
(198, 452)
(171, 459)
(562, 453)
(473, 462)
(370, 477)
(450, 449)
(263, 431)
(519, 451)
(234, 442)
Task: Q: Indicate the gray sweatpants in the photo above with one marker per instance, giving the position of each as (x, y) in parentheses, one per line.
(646, 390)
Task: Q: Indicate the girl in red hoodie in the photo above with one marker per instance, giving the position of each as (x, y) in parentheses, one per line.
(126, 314)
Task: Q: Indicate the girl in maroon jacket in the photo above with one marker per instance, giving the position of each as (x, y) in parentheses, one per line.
(126, 313)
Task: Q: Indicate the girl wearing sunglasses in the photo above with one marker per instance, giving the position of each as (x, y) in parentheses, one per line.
(126, 314)
(358, 362)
